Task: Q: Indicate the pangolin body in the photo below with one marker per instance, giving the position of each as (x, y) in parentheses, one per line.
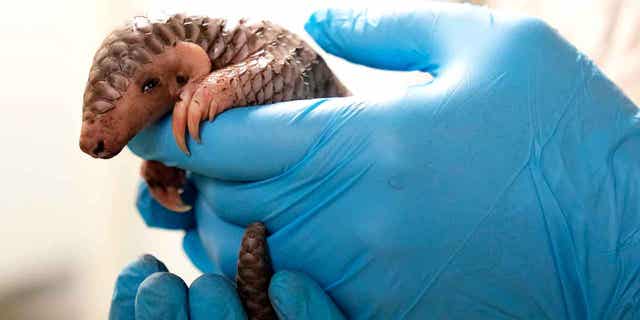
(201, 67)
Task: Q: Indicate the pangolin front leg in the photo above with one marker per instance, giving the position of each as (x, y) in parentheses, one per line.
(260, 64)
(266, 76)
(165, 184)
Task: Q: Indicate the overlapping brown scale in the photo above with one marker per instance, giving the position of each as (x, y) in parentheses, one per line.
(277, 97)
(268, 92)
(110, 64)
(243, 72)
(129, 66)
(248, 93)
(215, 28)
(153, 43)
(204, 37)
(260, 97)
(288, 70)
(176, 24)
(210, 30)
(141, 55)
(267, 84)
(299, 89)
(277, 66)
(288, 93)
(101, 106)
(101, 54)
(266, 73)
(239, 44)
(88, 93)
(256, 82)
(104, 90)
(255, 42)
(241, 54)
(112, 37)
(216, 49)
(118, 49)
(278, 83)
(118, 81)
(133, 37)
(192, 28)
(164, 34)
(228, 50)
(120, 56)
(95, 75)
(254, 273)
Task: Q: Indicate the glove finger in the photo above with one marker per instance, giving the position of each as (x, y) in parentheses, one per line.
(124, 294)
(276, 135)
(424, 37)
(329, 169)
(157, 216)
(162, 295)
(192, 245)
(296, 296)
(214, 297)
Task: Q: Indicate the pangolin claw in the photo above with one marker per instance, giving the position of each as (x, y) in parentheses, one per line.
(165, 184)
(195, 115)
(180, 118)
(169, 197)
(192, 109)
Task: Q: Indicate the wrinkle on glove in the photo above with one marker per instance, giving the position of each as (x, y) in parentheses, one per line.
(506, 187)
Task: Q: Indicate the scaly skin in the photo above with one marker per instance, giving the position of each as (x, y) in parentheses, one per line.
(197, 68)
(254, 273)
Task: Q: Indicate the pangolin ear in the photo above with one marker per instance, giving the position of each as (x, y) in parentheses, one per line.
(192, 59)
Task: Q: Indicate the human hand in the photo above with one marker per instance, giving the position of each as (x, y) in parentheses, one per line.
(502, 188)
(146, 290)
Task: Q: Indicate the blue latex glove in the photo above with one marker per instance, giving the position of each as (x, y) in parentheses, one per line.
(146, 290)
(506, 187)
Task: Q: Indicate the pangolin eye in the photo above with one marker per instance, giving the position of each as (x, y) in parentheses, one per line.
(150, 84)
(181, 80)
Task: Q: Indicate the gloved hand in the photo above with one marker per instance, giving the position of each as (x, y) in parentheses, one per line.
(506, 187)
(146, 290)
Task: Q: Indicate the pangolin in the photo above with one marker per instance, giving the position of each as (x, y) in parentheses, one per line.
(197, 67)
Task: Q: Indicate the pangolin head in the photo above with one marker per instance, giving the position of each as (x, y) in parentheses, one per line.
(135, 78)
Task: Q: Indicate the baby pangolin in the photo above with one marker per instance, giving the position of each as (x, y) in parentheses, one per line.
(197, 67)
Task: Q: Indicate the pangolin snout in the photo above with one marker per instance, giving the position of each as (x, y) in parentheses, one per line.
(98, 146)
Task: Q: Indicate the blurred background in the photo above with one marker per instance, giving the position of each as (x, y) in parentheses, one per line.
(69, 221)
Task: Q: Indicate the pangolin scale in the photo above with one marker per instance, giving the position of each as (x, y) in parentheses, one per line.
(197, 67)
